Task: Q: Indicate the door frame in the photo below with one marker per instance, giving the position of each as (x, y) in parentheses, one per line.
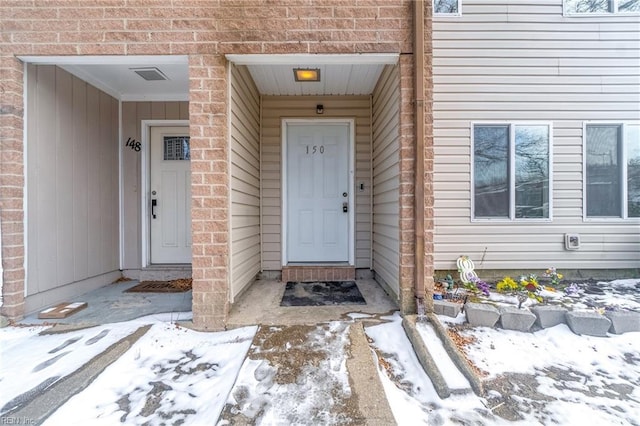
(283, 176)
(145, 182)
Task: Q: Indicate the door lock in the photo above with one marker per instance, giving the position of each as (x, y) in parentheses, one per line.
(345, 207)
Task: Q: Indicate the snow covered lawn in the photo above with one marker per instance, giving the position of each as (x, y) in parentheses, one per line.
(171, 375)
(555, 376)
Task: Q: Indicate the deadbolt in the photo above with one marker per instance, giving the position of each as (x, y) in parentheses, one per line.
(344, 194)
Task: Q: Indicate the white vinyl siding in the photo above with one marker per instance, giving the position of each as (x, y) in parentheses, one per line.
(72, 186)
(245, 179)
(505, 61)
(274, 109)
(386, 178)
(132, 115)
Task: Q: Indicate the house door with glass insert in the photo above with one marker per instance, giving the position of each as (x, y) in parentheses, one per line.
(170, 195)
(318, 193)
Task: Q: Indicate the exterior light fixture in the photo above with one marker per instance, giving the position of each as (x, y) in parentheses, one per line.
(306, 74)
(319, 109)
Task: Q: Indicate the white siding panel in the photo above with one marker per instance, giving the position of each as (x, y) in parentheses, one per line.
(386, 178)
(274, 109)
(72, 186)
(245, 180)
(521, 60)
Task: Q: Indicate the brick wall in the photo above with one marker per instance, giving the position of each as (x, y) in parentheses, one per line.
(204, 30)
(12, 184)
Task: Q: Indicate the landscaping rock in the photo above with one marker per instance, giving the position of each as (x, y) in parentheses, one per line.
(512, 318)
(589, 323)
(481, 314)
(623, 321)
(549, 316)
(450, 309)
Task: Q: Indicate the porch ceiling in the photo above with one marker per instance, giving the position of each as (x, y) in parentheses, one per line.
(116, 75)
(273, 74)
(339, 74)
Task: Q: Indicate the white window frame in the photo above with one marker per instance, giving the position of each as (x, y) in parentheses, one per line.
(614, 4)
(623, 176)
(512, 171)
(445, 15)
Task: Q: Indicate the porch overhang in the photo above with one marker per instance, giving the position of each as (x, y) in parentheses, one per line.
(342, 75)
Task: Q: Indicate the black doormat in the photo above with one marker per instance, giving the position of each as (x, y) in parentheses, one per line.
(322, 294)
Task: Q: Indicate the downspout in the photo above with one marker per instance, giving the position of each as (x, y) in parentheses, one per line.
(418, 48)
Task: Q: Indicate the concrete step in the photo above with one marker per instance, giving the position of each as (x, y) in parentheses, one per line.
(165, 272)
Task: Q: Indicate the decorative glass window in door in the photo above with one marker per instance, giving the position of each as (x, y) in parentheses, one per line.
(176, 148)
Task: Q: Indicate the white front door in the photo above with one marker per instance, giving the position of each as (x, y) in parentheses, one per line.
(318, 192)
(170, 195)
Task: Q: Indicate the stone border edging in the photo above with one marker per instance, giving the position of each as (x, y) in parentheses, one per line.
(424, 356)
(458, 359)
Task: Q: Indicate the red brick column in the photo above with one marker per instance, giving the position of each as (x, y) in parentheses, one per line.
(12, 185)
(210, 190)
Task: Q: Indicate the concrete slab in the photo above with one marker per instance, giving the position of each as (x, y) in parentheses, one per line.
(364, 380)
(481, 314)
(623, 321)
(111, 304)
(588, 323)
(512, 318)
(549, 316)
(260, 304)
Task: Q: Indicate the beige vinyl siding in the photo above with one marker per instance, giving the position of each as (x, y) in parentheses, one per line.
(386, 178)
(132, 115)
(245, 180)
(274, 109)
(506, 61)
(72, 186)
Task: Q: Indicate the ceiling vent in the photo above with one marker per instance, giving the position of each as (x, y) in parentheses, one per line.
(150, 74)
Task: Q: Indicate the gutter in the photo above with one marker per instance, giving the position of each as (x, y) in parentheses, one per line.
(419, 63)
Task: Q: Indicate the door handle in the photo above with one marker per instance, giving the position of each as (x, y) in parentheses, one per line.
(345, 207)
(154, 203)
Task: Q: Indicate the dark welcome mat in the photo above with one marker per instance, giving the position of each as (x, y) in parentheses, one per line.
(174, 286)
(322, 294)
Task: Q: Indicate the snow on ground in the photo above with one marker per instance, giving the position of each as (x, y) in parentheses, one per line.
(587, 380)
(29, 360)
(412, 397)
(171, 375)
(293, 375)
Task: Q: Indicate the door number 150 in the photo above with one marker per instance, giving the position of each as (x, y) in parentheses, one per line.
(315, 149)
